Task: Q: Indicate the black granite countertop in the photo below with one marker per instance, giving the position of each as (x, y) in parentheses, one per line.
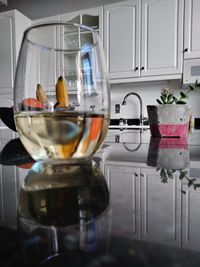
(135, 203)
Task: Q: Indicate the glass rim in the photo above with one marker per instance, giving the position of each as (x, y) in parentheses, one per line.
(59, 23)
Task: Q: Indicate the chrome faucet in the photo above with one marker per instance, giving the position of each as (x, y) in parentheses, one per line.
(141, 104)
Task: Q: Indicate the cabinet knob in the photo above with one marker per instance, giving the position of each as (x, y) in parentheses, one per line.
(142, 68)
(136, 175)
(136, 68)
(185, 50)
(142, 175)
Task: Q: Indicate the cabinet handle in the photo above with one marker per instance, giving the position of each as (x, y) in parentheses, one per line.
(142, 68)
(185, 50)
(142, 175)
(136, 68)
(136, 175)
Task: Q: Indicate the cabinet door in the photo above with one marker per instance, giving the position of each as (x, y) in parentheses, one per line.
(162, 34)
(48, 76)
(124, 187)
(6, 52)
(156, 197)
(121, 27)
(92, 18)
(8, 187)
(191, 216)
(192, 29)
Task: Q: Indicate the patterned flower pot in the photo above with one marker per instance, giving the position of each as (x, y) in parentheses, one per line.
(168, 120)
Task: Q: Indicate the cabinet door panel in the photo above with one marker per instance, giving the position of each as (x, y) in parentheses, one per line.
(47, 72)
(156, 196)
(6, 52)
(123, 185)
(191, 217)
(93, 18)
(192, 29)
(162, 26)
(122, 39)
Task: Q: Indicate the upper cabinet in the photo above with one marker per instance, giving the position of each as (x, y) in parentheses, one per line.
(12, 26)
(121, 39)
(92, 18)
(144, 38)
(192, 29)
(162, 37)
(48, 76)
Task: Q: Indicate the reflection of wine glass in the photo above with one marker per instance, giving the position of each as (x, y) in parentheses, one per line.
(54, 58)
(63, 210)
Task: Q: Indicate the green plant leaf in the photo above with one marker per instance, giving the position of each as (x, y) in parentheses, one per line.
(191, 181)
(163, 173)
(169, 98)
(183, 95)
(192, 87)
(175, 99)
(159, 102)
(182, 174)
(197, 84)
(163, 98)
(181, 102)
(169, 173)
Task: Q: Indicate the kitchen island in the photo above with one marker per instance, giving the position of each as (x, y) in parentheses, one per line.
(135, 203)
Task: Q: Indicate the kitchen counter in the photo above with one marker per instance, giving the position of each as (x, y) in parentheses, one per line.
(135, 203)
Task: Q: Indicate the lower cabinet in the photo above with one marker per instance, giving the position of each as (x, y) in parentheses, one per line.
(123, 183)
(156, 197)
(191, 216)
(138, 198)
(8, 187)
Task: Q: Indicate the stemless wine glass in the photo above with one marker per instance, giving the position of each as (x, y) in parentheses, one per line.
(61, 92)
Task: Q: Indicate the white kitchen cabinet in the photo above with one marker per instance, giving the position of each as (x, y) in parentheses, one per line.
(122, 39)
(192, 29)
(144, 38)
(58, 38)
(123, 184)
(12, 26)
(92, 18)
(8, 186)
(48, 76)
(135, 199)
(156, 225)
(191, 214)
(162, 37)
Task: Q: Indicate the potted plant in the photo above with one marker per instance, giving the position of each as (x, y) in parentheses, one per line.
(171, 117)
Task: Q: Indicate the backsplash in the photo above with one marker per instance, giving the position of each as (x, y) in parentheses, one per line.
(148, 91)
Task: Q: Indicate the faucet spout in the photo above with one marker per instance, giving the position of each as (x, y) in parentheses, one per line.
(140, 102)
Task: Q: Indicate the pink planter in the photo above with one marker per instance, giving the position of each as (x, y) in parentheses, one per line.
(168, 120)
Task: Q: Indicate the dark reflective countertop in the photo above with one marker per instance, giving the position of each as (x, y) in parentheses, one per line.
(135, 203)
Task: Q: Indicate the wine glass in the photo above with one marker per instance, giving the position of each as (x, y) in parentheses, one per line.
(61, 92)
